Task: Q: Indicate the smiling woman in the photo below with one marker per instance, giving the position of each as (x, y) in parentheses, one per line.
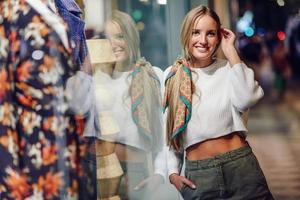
(135, 87)
(204, 40)
(125, 40)
(205, 100)
(118, 42)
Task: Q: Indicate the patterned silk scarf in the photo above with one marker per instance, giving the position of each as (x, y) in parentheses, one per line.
(146, 101)
(184, 106)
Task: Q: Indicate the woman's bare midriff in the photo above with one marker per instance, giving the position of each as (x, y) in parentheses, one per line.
(213, 147)
(128, 153)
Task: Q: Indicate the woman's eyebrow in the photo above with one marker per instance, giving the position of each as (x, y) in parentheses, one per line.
(196, 29)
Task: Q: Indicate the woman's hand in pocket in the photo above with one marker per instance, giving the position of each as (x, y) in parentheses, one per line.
(179, 182)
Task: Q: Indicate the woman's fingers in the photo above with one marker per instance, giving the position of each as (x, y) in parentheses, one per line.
(188, 183)
(227, 33)
(152, 182)
(179, 181)
(141, 184)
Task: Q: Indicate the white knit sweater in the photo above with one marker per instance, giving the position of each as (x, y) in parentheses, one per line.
(106, 103)
(223, 94)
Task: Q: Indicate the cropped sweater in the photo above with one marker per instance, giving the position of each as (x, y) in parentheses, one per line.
(223, 94)
(106, 99)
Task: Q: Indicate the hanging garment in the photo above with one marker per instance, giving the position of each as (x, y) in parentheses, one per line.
(41, 143)
(71, 13)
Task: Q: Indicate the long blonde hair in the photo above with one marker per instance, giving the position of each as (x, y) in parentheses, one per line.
(130, 33)
(172, 101)
(173, 84)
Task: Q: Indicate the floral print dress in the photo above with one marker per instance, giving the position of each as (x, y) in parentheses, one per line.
(41, 144)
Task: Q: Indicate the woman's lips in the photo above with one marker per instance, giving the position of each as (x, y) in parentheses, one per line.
(201, 49)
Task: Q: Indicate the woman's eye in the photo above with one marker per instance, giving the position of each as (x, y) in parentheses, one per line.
(196, 32)
(211, 34)
(119, 36)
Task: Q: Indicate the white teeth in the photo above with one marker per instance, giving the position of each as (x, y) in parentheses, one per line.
(202, 49)
(116, 51)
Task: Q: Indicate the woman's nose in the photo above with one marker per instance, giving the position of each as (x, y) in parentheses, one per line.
(114, 42)
(203, 39)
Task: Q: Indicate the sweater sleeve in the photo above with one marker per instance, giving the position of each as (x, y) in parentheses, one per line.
(160, 161)
(80, 89)
(167, 161)
(174, 161)
(160, 75)
(244, 90)
(81, 93)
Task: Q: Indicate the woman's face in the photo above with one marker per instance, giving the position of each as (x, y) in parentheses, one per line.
(119, 45)
(204, 40)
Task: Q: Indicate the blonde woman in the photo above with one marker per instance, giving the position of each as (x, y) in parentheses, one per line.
(205, 99)
(136, 88)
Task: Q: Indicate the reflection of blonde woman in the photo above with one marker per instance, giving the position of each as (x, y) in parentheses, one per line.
(205, 98)
(137, 108)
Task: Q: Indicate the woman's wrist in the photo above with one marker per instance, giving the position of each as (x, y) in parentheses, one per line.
(171, 176)
(232, 56)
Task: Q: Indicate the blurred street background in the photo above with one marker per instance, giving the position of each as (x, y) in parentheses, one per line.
(274, 134)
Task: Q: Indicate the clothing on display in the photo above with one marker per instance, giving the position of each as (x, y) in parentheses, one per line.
(41, 143)
(71, 13)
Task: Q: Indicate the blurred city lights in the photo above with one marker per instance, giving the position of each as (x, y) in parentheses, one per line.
(140, 26)
(137, 15)
(281, 35)
(249, 32)
(162, 2)
(242, 25)
(261, 32)
(280, 2)
(245, 22)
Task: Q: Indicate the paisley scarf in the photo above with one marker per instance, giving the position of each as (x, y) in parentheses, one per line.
(183, 109)
(146, 101)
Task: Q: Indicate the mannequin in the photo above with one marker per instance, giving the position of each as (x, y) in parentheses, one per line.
(109, 170)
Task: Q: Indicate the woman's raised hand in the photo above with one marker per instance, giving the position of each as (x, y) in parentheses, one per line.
(227, 45)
